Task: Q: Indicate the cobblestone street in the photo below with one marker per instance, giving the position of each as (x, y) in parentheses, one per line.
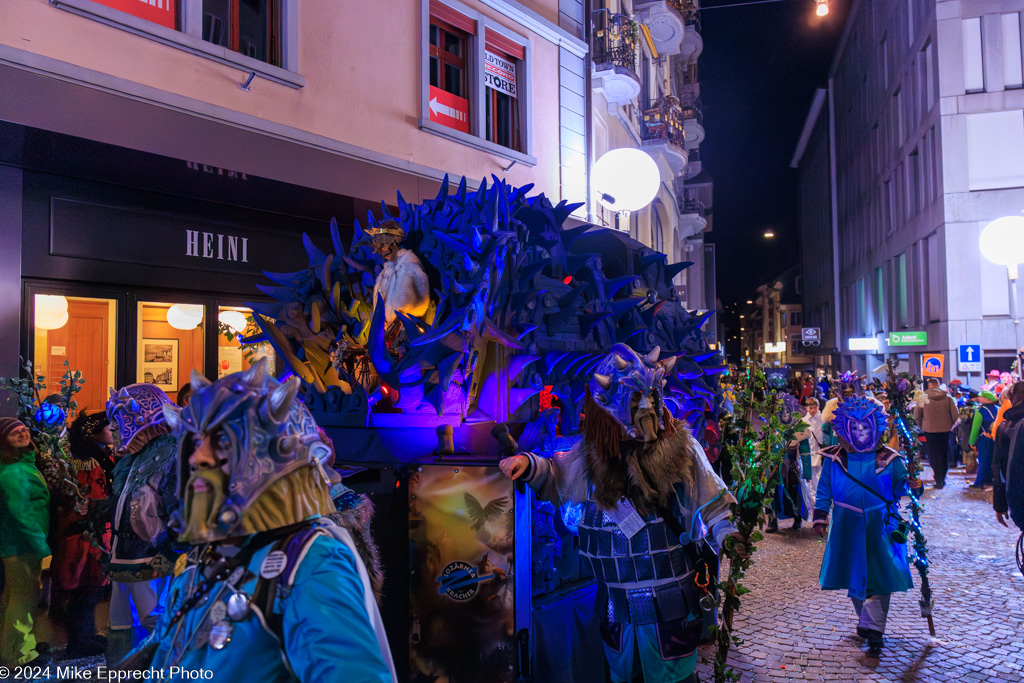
(795, 631)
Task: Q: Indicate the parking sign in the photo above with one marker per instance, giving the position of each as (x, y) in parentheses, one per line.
(969, 358)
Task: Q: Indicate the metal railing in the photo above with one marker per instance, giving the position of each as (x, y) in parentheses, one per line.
(688, 8)
(690, 205)
(664, 121)
(692, 107)
(614, 40)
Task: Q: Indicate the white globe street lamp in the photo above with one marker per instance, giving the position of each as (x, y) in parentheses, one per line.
(626, 179)
(1002, 243)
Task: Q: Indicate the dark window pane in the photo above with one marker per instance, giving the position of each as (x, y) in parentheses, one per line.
(433, 35)
(489, 115)
(453, 79)
(504, 112)
(433, 72)
(253, 33)
(453, 44)
(216, 21)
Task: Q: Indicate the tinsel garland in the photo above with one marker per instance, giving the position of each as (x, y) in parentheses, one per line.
(899, 390)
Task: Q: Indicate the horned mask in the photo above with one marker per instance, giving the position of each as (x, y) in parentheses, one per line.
(630, 388)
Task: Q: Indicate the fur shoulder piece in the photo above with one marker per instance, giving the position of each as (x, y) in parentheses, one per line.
(645, 473)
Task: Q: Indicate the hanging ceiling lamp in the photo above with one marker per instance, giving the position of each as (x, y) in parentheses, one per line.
(233, 319)
(185, 316)
(51, 311)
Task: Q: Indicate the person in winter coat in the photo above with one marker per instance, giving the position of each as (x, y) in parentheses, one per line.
(981, 437)
(78, 577)
(24, 521)
(861, 484)
(936, 417)
(1008, 471)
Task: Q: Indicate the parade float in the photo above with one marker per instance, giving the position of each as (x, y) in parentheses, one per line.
(438, 337)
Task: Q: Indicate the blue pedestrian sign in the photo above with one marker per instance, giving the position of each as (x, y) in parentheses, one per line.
(969, 358)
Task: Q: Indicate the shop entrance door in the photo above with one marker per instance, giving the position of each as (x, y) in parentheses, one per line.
(81, 331)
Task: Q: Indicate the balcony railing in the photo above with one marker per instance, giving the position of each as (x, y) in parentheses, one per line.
(689, 205)
(692, 107)
(664, 121)
(614, 40)
(688, 8)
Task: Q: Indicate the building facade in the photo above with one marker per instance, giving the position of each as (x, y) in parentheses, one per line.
(646, 94)
(926, 142)
(815, 224)
(160, 155)
(771, 327)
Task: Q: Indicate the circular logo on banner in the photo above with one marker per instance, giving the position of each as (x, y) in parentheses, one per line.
(459, 581)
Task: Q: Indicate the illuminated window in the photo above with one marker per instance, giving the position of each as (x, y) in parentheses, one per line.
(235, 324)
(170, 344)
(83, 332)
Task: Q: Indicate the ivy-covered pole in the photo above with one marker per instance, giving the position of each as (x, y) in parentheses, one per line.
(901, 388)
(758, 447)
(47, 423)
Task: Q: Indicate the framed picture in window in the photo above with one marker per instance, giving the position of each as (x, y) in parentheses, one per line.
(158, 363)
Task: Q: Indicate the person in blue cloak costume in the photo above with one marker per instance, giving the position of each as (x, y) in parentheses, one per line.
(861, 485)
(655, 517)
(272, 589)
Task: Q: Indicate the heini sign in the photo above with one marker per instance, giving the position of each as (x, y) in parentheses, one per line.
(214, 245)
(499, 74)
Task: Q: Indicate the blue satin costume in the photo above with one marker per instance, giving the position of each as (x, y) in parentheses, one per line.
(327, 633)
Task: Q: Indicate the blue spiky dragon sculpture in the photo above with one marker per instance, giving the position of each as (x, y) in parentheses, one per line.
(513, 290)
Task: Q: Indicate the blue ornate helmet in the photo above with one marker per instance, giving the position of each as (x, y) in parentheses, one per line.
(860, 422)
(136, 412)
(268, 435)
(630, 388)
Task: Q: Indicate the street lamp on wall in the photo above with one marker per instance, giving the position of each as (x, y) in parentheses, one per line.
(626, 179)
(1002, 243)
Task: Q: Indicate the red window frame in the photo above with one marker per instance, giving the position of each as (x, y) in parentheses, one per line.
(446, 58)
(273, 30)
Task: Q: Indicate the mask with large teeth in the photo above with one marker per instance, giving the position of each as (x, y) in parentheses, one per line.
(630, 388)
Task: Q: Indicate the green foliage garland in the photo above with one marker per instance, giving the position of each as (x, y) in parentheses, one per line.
(757, 441)
(900, 391)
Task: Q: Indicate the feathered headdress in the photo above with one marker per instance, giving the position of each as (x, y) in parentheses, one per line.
(859, 410)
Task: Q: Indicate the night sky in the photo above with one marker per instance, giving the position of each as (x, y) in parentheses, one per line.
(758, 73)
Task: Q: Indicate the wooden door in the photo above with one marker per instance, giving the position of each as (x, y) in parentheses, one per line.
(83, 342)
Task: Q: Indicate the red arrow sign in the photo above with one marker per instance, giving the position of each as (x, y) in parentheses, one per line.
(449, 110)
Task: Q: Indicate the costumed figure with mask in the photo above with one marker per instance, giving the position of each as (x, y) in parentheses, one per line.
(401, 285)
(272, 586)
(792, 498)
(861, 484)
(655, 517)
(144, 550)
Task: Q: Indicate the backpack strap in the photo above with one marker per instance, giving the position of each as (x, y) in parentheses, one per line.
(294, 546)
